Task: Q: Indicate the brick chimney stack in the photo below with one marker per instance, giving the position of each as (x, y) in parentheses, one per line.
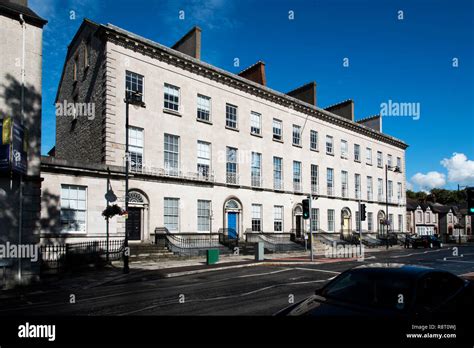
(255, 73)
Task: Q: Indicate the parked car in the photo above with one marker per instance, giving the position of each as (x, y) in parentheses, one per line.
(389, 290)
(425, 242)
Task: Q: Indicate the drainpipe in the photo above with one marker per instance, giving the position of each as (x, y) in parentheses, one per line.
(22, 116)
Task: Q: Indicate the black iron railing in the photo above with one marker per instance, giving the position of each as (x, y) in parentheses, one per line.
(189, 243)
(58, 257)
(274, 241)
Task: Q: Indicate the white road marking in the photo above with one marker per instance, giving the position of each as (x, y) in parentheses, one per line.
(425, 252)
(317, 270)
(261, 274)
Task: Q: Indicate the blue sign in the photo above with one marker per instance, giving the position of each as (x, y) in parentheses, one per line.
(18, 155)
(13, 146)
(4, 146)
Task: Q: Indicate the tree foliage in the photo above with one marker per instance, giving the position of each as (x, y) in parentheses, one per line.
(438, 195)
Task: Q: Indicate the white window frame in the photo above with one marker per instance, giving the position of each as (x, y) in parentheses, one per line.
(278, 217)
(313, 140)
(331, 222)
(204, 158)
(166, 215)
(344, 149)
(344, 184)
(297, 182)
(368, 155)
(257, 217)
(296, 135)
(204, 108)
(231, 116)
(256, 169)
(232, 176)
(255, 123)
(330, 181)
(379, 159)
(66, 209)
(356, 152)
(329, 145)
(277, 125)
(136, 146)
(277, 168)
(171, 97)
(136, 80)
(171, 170)
(201, 207)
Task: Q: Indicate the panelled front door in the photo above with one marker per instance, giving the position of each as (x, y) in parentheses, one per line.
(299, 227)
(232, 225)
(134, 223)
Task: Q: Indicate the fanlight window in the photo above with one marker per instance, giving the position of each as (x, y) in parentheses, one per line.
(298, 210)
(135, 197)
(346, 213)
(232, 204)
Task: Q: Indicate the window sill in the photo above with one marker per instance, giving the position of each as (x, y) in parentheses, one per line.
(172, 112)
(278, 140)
(232, 129)
(357, 161)
(296, 145)
(256, 135)
(314, 150)
(203, 121)
(330, 154)
(369, 164)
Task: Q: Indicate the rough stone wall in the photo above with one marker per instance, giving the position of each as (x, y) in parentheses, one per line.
(80, 139)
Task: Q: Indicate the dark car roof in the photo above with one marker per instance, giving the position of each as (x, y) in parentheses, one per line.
(395, 269)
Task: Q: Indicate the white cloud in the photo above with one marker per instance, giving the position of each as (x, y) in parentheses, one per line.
(460, 169)
(429, 180)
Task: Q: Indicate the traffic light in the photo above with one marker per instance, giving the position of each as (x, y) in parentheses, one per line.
(363, 214)
(305, 209)
(470, 200)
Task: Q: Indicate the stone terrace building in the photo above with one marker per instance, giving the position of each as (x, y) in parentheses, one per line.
(210, 150)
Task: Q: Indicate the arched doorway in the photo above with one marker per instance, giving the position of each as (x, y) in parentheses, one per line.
(298, 220)
(346, 224)
(381, 227)
(232, 217)
(137, 221)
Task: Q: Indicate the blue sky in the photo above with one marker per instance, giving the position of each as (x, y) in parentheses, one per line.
(406, 61)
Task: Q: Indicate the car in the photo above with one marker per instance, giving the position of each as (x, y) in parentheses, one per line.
(388, 291)
(429, 241)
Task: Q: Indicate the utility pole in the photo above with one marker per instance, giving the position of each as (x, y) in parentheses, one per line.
(360, 228)
(126, 267)
(310, 228)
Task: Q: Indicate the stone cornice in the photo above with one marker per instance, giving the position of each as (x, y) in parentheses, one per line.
(155, 50)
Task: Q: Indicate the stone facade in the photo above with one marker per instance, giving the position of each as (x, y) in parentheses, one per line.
(20, 98)
(159, 65)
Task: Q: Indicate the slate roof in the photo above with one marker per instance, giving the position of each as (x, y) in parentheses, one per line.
(13, 10)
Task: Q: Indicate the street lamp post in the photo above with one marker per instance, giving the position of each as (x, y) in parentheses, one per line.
(133, 98)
